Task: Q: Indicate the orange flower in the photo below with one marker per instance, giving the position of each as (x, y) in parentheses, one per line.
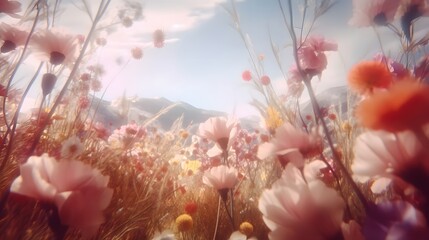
(404, 106)
(366, 76)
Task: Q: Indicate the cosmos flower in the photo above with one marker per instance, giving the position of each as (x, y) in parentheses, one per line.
(78, 191)
(298, 209)
(366, 76)
(370, 12)
(289, 145)
(311, 54)
(10, 7)
(398, 109)
(221, 177)
(12, 37)
(56, 47)
(384, 154)
(219, 130)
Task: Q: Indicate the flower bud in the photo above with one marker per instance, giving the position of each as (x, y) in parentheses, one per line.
(48, 83)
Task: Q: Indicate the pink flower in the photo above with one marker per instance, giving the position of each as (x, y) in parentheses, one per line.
(369, 12)
(12, 37)
(246, 75)
(395, 220)
(158, 38)
(10, 7)
(56, 47)
(295, 208)
(289, 145)
(311, 54)
(219, 130)
(265, 80)
(382, 154)
(79, 192)
(221, 177)
(126, 136)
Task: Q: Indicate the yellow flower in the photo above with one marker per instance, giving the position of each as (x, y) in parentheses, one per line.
(184, 223)
(246, 228)
(273, 119)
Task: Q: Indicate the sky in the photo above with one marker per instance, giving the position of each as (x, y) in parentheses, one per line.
(204, 56)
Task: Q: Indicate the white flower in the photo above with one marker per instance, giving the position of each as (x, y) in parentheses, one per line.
(298, 209)
(221, 177)
(379, 153)
(72, 147)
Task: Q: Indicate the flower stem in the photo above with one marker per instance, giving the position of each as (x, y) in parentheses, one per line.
(307, 81)
(336, 158)
(217, 218)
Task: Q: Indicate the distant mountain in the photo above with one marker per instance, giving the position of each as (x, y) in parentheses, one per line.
(125, 110)
(139, 110)
(336, 96)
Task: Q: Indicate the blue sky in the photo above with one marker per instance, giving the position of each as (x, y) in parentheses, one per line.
(203, 65)
(204, 56)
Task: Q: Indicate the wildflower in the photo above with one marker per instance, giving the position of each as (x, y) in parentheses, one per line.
(400, 108)
(56, 47)
(246, 228)
(71, 148)
(78, 191)
(369, 75)
(48, 83)
(12, 37)
(383, 154)
(221, 177)
(219, 130)
(395, 220)
(265, 80)
(273, 119)
(246, 75)
(10, 7)
(158, 38)
(126, 136)
(311, 54)
(184, 223)
(289, 145)
(369, 12)
(296, 208)
(137, 53)
(191, 208)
